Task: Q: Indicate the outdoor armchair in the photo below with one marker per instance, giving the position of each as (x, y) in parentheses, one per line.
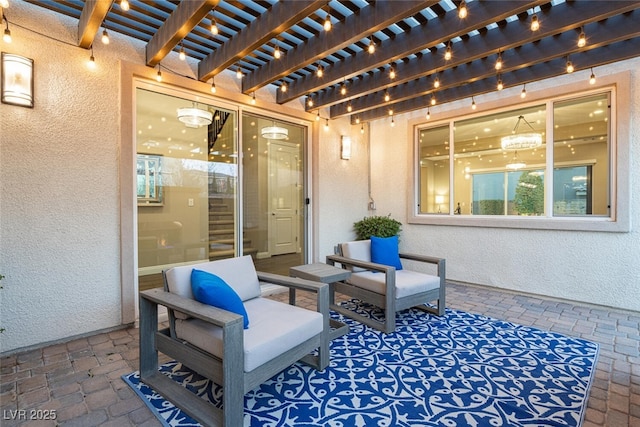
(385, 286)
(215, 342)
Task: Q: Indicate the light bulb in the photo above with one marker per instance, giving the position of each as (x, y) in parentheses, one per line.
(428, 114)
(124, 5)
(4, 4)
(326, 125)
(448, 54)
(183, 55)
(372, 46)
(473, 104)
(570, 68)
(436, 83)
(390, 111)
(343, 89)
(349, 107)
(253, 98)
(362, 128)
(392, 73)
(7, 35)
(310, 102)
(500, 86)
(582, 39)
(105, 37)
(592, 79)
(159, 76)
(214, 28)
(213, 87)
(433, 100)
(327, 23)
(535, 24)
(357, 120)
(393, 123)
(276, 53)
(462, 10)
(283, 87)
(319, 71)
(238, 73)
(92, 62)
(318, 116)
(386, 96)
(523, 94)
(499, 62)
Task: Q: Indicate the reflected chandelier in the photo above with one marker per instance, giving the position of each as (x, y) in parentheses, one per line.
(274, 132)
(194, 116)
(518, 141)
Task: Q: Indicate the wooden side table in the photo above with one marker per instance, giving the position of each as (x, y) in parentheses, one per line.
(324, 273)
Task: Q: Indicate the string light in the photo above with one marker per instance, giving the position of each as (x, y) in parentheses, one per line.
(7, 33)
(253, 98)
(318, 116)
(582, 39)
(387, 97)
(124, 5)
(428, 114)
(391, 111)
(462, 10)
(499, 62)
(392, 72)
(436, 83)
(158, 76)
(433, 100)
(393, 123)
(283, 87)
(357, 120)
(473, 104)
(523, 94)
(500, 86)
(535, 24)
(105, 37)
(92, 60)
(372, 46)
(362, 128)
(570, 68)
(238, 73)
(448, 54)
(592, 79)
(276, 53)
(343, 89)
(310, 101)
(326, 125)
(182, 54)
(349, 107)
(319, 71)
(214, 27)
(213, 86)
(327, 23)
(4, 4)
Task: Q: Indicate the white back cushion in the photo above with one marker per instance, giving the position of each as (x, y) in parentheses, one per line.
(360, 250)
(239, 273)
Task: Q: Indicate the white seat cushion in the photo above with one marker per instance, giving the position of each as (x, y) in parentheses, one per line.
(274, 329)
(407, 282)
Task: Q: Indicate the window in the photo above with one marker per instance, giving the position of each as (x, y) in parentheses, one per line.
(549, 160)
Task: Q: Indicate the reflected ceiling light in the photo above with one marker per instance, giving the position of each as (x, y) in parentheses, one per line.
(517, 141)
(195, 117)
(274, 132)
(516, 163)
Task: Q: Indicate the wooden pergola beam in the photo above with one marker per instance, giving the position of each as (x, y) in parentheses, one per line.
(182, 20)
(374, 17)
(91, 17)
(604, 55)
(273, 22)
(557, 43)
(408, 43)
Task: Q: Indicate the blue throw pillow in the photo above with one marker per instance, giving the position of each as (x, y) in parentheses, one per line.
(211, 289)
(384, 250)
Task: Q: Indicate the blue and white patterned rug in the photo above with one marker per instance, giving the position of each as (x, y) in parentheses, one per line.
(461, 369)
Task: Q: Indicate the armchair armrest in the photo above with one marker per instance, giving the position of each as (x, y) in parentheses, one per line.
(291, 282)
(352, 262)
(193, 308)
(440, 262)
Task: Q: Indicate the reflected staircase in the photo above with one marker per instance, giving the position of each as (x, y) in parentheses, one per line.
(221, 230)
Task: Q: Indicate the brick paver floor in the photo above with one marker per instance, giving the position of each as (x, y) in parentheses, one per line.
(79, 382)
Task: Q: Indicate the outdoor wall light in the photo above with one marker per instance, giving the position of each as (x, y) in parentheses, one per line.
(17, 80)
(345, 147)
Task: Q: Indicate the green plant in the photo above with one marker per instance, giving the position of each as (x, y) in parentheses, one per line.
(380, 226)
(529, 198)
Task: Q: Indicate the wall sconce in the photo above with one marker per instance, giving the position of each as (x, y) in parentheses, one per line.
(17, 80)
(345, 147)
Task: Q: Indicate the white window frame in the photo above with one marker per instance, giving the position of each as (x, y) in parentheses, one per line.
(620, 141)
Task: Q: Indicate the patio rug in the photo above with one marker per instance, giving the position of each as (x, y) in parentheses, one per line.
(461, 369)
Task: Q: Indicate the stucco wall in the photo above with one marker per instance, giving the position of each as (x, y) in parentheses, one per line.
(594, 267)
